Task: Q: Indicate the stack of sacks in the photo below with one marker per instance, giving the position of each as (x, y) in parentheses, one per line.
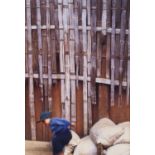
(105, 132)
(69, 149)
(86, 147)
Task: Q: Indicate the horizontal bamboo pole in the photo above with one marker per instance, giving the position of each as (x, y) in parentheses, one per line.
(81, 78)
(98, 28)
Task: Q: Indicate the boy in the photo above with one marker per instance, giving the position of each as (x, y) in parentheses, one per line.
(60, 131)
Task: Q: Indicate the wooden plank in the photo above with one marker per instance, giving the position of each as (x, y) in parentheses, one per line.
(84, 41)
(112, 93)
(61, 54)
(122, 48)
(31, 88)
(79, 110)
(72, 62)
(67, 60)
(93, 53)
(27, 112)
(49, 55)
(89, 64)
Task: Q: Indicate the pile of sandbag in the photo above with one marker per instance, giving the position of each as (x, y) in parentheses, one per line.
(115, 139)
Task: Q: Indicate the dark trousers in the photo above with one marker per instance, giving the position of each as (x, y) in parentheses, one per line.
(60, 140)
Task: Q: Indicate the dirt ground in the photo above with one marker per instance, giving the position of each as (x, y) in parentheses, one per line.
(37, 148)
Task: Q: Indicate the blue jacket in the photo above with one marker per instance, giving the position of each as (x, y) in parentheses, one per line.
(59, 125)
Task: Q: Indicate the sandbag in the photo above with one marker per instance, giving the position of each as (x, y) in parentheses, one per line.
(102, 123)
(125, 137)
(119, 149)
(69, 149)
(105, 132)
(86, 147)
(124, 124)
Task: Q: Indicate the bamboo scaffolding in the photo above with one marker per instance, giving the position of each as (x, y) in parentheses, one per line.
(89, 64)
(61, 55)
(84, 41)
(93, 53)
(72, 62)
(122, 38)
(67, 59)
(31, 88)
(40, 48)
(49, 55)
(112, 95)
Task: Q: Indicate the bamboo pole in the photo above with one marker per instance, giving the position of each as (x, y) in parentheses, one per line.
(31, 87)
(93, 54)
(128, 69)
(104, 17)
(122, 38)
(112, 95)
(61, 54)
(49, 55)
(84, 41)
(98, 28)
(108, 40)
(89, 64)
(76, 39)
(67, 59)
(40, 48)
(72, 62)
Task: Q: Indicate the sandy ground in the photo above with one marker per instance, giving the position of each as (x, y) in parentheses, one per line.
(37, 148)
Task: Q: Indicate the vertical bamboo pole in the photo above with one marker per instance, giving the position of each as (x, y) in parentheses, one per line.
(72, 61)
(40, 48)
(112, 95)
(128, 69)
(76, 39)
(108, 40)
(122, 38)
(49, 55)
(84, 41)
(67, 60)
(61, 54)
(30, 63)
(93, 55)
(89, 64)
(104, 17)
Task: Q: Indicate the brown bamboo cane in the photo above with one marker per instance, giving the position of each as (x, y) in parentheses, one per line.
(122, 38)
(30, 63)
(112, 95)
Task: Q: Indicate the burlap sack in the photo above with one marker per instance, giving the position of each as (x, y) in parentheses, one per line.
(124, 124)
(69, 149)
(86, 147)
(119, 149)
(105, 132)
(125, 138)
